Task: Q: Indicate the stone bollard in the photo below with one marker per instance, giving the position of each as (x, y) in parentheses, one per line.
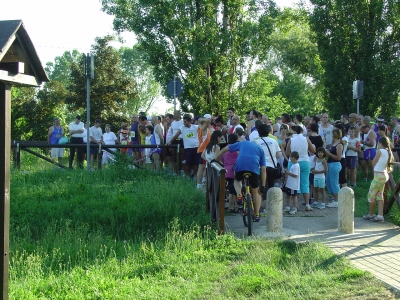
(274, 211)
(346, 210)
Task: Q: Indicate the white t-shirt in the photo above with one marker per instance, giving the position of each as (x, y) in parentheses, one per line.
(253, 136)
(189, 135)
(273, 146)
(74, 126)
(353, 143)
(298, 142)
(381, 165)
(319, 166)
(109, 138)
(175, 125)
(293, 183)
(345, 146)
(326, 133)
(210, 156)
(84, 135)
(96, 133)
(158, 140)
(169, 135)
(147, 151)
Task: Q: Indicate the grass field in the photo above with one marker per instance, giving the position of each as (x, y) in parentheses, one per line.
(129, 234)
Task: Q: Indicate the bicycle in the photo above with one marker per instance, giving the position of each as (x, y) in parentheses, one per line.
(248, 205)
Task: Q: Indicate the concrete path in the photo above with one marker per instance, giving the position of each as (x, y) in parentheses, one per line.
(373, 247)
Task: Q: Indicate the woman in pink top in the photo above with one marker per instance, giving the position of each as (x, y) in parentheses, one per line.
(229, 160)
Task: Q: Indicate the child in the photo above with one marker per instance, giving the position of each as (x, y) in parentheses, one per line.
(319, 172)
(353, 149)
(229, 161)
(382, 165)
(147, 151)
(292, 183)
(142, 141)
(125, 140)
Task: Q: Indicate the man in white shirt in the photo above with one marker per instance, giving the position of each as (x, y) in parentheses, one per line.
(272, 155)
(96, 137)
(231, 113)
(325, 130)
(190, 142)
(175, 125)
(76, 130)
(254, 135)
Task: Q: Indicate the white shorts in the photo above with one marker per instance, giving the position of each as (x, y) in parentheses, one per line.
(57, 152)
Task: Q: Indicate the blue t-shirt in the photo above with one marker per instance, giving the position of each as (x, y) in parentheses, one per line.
(251, 156)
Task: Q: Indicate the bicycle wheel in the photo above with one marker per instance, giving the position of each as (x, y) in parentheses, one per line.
(244, 213)
(249, 213)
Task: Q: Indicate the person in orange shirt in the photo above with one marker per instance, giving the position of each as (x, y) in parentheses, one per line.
(204, 135)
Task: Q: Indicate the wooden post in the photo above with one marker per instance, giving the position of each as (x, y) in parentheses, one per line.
(222, 188)
(178, 159)
(5, 153)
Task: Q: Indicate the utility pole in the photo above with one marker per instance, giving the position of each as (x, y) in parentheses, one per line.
(88, 72)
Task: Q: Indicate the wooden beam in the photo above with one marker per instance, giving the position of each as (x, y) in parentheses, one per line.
(5, 155)
(7, 46)
(19, 79)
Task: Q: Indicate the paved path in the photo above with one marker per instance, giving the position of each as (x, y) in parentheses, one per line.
(373, 247)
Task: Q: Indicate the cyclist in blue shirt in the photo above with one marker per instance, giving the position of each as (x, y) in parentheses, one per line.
(251, 160)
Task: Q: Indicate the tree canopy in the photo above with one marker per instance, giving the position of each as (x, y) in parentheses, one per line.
(358, 39)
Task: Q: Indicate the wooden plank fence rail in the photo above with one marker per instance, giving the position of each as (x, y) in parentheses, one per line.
(394, 197)
(215, 194)
(17, 146)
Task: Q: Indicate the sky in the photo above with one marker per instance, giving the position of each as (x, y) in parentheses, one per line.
(56, 26)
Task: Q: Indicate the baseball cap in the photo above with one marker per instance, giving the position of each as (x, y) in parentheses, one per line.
(239, 126)
(207, 116)
(380, 119)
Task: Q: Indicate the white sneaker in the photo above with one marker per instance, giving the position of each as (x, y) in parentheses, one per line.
(293, 211)
(333, 204)
(321, 206)
(315, 204)
(286, 209)
(308, 208)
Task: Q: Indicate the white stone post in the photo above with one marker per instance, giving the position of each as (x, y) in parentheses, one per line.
(274, 210)
(346, 210)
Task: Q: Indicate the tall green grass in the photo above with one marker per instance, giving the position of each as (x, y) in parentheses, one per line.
(120, 233)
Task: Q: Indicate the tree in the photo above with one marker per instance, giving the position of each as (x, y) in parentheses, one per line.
(358, 39)
(110, 89)
(134, 66)
(258, 93)
(205, 42)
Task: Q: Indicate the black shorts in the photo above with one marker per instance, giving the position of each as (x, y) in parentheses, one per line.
(291, 192)
(135, 149)
(230, 186)
(178, 142)
(94, 150)
(192, 157)
(253, 179)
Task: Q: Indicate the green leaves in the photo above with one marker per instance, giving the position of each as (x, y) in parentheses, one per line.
(356, 41)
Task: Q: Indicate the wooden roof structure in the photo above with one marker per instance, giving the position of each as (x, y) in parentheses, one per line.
(19, 66)
(19, 63)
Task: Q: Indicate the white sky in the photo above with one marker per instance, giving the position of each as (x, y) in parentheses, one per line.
(56, 26)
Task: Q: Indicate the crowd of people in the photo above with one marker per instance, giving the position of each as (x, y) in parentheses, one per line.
(314, 153)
